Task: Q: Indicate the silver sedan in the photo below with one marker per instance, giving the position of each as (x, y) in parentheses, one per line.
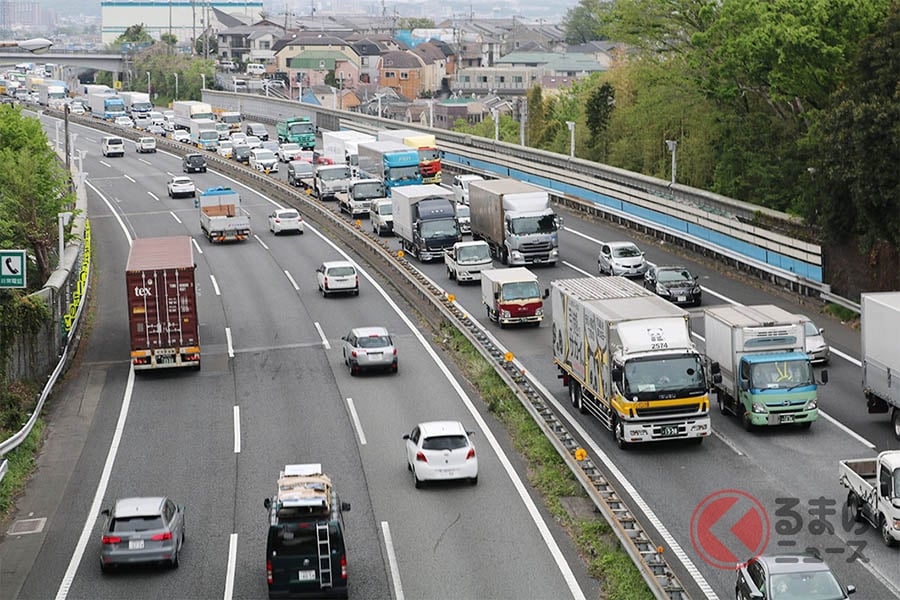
(369, 348)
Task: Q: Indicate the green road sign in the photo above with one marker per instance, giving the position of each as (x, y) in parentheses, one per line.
(12, 268)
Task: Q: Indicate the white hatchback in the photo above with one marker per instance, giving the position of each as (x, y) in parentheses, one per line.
(337, 276)
(285, 219)
(441, 451)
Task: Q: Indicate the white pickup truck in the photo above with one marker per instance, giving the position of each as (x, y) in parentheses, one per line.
(874, 495)
(466, 260)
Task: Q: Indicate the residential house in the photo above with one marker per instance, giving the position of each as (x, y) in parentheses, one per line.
(369, 59)
(434, 68)
(235, 42)
(313, 57)
(402, 71)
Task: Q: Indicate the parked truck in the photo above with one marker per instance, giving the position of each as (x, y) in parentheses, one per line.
(765, 375)
(297, 130)
(331, 181)
(424, 143)
(106, 106)
(52, 95)
(425, 220)
(162, 304)
(516, 220)
(512, 296)
(880, 330)
(393, 163)
(342, 147)
(137, 103)
(874, 492)
(221, 216)
(360, 196)
(204, 134)
(188, 110)
(626, 356)
(466, 260)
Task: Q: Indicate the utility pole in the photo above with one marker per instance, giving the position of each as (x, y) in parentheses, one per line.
(193, 28)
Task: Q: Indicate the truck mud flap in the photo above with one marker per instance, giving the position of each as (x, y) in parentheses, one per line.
(876, 405)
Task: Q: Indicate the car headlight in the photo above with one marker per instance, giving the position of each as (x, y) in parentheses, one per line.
(696, 290)
(515, 254)
(759, 408)
(539, 312)
(812, 404)
(505, 314)
(662, 290)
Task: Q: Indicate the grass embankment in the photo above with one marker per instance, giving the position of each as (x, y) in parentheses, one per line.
(548, 473)
(22, 459)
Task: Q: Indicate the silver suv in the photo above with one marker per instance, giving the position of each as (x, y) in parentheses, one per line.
(142, 530)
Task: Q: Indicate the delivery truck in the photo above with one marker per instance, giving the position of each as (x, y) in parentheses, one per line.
(187, 110)
(392, 162)
(873, 495)
(512, 296)
(424, 143)
(106, 106)
(425, 220)
(342, 147)
(297, 130)
(221, 216)
(766, 377)
(880, 330)
(162, 304)
(136, 103)
(360, 196)
(466, 260)
(52, 94)
(204, 135)
(516, 220)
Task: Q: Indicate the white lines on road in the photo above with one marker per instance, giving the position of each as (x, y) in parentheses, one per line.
(579, 269)
(232, 562)
(291, 279)
(846, 430)
(129, 178)
(392, 561)
(215, 285)
(105, 164)
(174, 216)
(94, 511)
(237, 429)
(114, 212)
(261, 243)
(145, 161)
(356, 422)
(197, 246)
(847, 357)
(322, 335)
(722, 297)
(228, 341)
(154, 196)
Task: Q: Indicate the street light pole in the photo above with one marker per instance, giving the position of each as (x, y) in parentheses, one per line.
(148, 82)
(176, 87)
(203, 79)
(571, 126)
(672, 145)
(494, 114)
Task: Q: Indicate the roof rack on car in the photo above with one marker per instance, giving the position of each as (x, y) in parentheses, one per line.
(304, 487)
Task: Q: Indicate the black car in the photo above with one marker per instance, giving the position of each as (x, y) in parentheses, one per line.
(674, 283)
(193, 163)
(241, 154)
(789, 576)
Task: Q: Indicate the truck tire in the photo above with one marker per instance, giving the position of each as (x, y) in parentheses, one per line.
(886, 532)
(617, 437)
(895, 422)
(745, 421)
(575, 396)
(720, 400)
(450, 274)
(855, 505)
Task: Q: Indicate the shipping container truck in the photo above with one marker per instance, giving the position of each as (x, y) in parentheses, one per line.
(425, 220)
(297, 130)
(393, 163)
(880, 330)
(96, 88)
(466, 260)
(516, 220)
(627, 358)
(874, 492)
(204, 135)
(512, 296)
(221, 216)
(137, 103)
(424, 143)
(187, 110)
(766, 377)
(106, 106)
(162, 304)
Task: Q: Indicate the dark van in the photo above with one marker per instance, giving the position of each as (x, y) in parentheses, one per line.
(193, 163)
(305, 552)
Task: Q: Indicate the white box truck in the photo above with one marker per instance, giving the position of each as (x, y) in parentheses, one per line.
(136, 103)
(221, 216)
(187, 110)
(880, 330)
(343, 147)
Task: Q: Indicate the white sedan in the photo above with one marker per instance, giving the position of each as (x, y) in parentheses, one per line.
(285, 219)
(288, 152)
(181, 186)
(441, 451)
(180, 135)
(225, 149)
(124, 122)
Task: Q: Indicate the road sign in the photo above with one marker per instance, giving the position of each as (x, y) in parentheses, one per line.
(12, 268)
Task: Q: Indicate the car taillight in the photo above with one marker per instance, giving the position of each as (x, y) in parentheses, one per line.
(161, 537)
(269, 571)
(420, 456)
(111, 539)
(353, 354)
(344, 567)
(470, 454)
(326, 282)
(278, 220)
(357, 281)
(395, 352)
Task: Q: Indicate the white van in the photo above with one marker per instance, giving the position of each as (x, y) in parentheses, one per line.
(255, 68)
(112, 146)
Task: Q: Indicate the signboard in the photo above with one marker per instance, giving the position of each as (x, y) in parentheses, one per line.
(12, 268)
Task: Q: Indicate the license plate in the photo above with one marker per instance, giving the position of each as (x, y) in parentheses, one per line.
(306, 575)
(682, 298)
(374, 356)
(135, 544)
(669, 431)
(448, 472)
(787, 418)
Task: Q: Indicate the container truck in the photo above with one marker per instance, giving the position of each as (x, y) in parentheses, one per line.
(343, 147)
(52, 95)
(221, 215)
(880, 330)
(393, 163)
(297, 130)
(512, 296)
(162, 304)
(765, 375)
(466, 260)
(187, 110)
(360, 196)
(424, 143)
(137, 103)
(425, 220)
(873, 495)
(627, 358)
(106, 106)
(516, 220)
(204, 134)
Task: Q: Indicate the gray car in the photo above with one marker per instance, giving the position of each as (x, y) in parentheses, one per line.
(142, 531)
(369, 348)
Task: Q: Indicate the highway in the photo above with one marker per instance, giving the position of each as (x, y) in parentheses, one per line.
(215, 440)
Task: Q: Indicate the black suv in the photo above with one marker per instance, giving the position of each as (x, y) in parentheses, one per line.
(193, 163)
(241, 154)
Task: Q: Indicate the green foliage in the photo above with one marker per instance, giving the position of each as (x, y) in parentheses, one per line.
(163, 66)
(206, 45)
(169, 39)
(582, 22)
(415, 23)
(509, 128)
(537, 121)
(21, 465)
(134, 34)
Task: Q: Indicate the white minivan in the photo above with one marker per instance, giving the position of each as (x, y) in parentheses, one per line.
(255, 68)
(112, 146)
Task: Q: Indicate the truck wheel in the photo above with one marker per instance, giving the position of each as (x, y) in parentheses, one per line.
(720, 400)
(745, 421)
(449, 274)
(886, 532)
(617, 435)
(895, 422)
(855, 507)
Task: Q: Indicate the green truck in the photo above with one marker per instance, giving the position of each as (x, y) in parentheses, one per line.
(297, 130)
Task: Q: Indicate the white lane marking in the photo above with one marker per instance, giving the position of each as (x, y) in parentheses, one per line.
(392, 560)
(237, 429)
(145, 161)
(215, 284)
(174, 216)
(583, 235)
(322, 335)
(154, 196)
(846, 430)
(197, 246)
(558, 557)
(112, 210)
(230, 570)
(94, 511)
(105, 164)
(356, 423)
(228, 341)
(291, 279)
(706, 290)
(579, 269)
(129, 179)
(261, 243)
(727, 442)
(847, 357)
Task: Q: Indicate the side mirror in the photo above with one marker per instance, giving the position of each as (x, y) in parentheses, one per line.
(546, 293)
(717, 378)
(824, 377)
(406, 437)
(745, 383)
(345, 506)
(714, 368)
(821, 331)
(851, 589)
(344, 338)
(267, 503)
(105, 512)
(470, 433)
(617, 373)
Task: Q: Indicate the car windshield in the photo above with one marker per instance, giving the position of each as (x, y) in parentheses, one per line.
(264, 155)
(385, 209)
(403, 173)
(440, 228)
(332, 174)
(374, 341)
(462, 211)
(145, 523)
(241, 150)
(299, 128)
(299, 539)
(674, 276)
(520, 290)
(195, 159)
(818, 585)
(680, 375)
(429, 154)
(302, 169)
(288, 214)
(626, 252)
(225, 145)
(341, 271)
(290, 147)
(780, 375)
(209, 135)
(182, 181)
(476, 253)
(444, 442)
(529, 225)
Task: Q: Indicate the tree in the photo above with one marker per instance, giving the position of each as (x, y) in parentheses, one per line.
(134, 34)
(598, 111)
(206, 45)
(169, 39)
(415, 23)
(534, 128)
(582, 23)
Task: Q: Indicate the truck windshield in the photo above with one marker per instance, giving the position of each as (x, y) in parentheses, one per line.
(333, 174)
(781, 375)
(402, 173)
(371, 189)
(677, 375)
(429, 154)
(231, 119)
(520, 290)
(468, 254)
(439, 228)
(209, 135)
(529, 225)
(301, 128)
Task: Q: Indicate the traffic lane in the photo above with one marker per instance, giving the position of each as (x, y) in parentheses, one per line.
(292, 412)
